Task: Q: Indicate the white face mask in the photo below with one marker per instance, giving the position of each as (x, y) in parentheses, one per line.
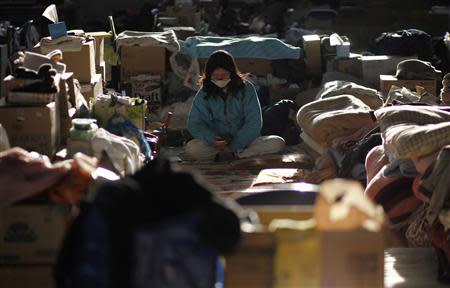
(221, 83)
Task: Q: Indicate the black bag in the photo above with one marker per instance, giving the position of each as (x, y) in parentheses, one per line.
(408, 42)
(276, 121)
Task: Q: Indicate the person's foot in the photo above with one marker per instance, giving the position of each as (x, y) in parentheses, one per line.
(224, 156)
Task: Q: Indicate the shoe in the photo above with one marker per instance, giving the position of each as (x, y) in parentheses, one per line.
(224, 156)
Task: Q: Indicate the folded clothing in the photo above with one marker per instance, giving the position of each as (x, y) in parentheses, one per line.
(336, 117)
(40, 82)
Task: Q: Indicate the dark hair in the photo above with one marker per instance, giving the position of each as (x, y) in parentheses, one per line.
(224, 60)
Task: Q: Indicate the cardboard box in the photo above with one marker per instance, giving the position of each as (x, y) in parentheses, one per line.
(182, 32)
(252, 262)
(255, 66)
(351, 65)
(297, 260)
(186, 15)
(93, 88)
(81, 63)
(313, 57)
(352, 259)
(66, 95)
(148, 87)
(31, 234)
(36, 276)
(386, 81)
(374, 66)
(32, 128)
(137, 60)
(101, 69)
(100, 38)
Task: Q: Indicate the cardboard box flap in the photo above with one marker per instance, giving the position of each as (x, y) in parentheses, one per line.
(342, 205)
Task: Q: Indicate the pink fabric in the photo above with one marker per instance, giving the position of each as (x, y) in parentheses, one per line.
(375, 160)
(423, 163)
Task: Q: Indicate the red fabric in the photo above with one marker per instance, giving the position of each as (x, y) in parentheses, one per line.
(394, 194)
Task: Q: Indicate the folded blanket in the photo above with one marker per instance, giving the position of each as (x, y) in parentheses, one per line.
(327, 119)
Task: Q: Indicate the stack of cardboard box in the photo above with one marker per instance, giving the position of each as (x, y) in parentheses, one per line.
(143, 69)
(42, 128)
(31, 120)
(31, 235)
(83, 64)
(100, 39)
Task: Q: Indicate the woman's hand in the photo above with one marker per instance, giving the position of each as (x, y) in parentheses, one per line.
(220, 144)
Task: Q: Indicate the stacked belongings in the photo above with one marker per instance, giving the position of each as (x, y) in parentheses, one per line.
(79, 55)
(410, 74)
(143, 65)
(125, 116)
(36, 204)
(408, 175)
(31, 115)
(123, 155)
(252, 54)
(330, 126)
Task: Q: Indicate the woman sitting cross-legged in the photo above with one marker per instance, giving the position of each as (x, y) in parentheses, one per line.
(225, 118)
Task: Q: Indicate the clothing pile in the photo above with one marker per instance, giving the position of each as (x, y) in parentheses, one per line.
(407, 174)
(328, 127)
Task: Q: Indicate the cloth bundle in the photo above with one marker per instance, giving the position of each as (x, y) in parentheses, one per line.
(68, 43)
(369, 96)
(166, 39)
(335, 120)
(124, 153)
(413, 131)
(395, 194)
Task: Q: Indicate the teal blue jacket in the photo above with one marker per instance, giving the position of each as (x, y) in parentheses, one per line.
(237, 120)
